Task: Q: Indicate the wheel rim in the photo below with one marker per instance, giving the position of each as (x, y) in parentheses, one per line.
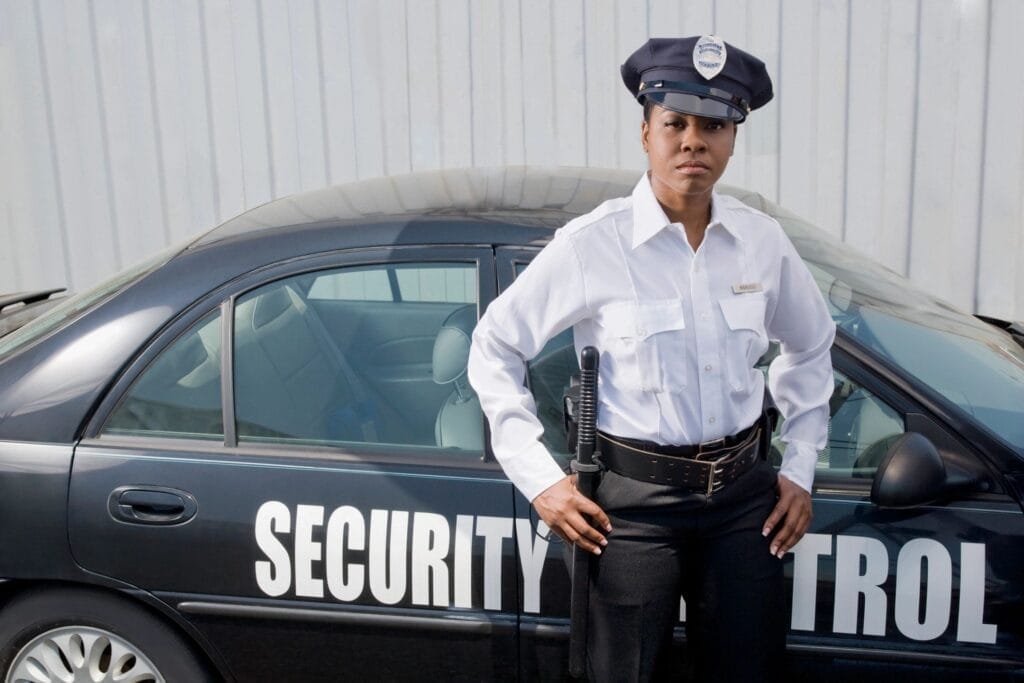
(81, 654)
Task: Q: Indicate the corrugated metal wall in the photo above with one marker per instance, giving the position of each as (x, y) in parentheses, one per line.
(129, 124)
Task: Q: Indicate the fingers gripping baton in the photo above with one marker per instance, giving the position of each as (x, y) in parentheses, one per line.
(585, 469)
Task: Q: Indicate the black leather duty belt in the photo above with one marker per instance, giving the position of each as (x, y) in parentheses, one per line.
(705, 467)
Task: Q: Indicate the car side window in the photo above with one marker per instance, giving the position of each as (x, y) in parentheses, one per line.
(179, 394)
(861, 429)
(548, 375)
(365, 354)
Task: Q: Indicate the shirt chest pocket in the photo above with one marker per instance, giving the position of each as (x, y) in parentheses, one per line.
(746, 338)
(645, 345)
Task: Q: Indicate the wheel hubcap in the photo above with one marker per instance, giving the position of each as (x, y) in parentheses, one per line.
(81, 654)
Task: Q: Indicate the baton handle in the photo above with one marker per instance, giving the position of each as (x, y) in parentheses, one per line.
(585, 470)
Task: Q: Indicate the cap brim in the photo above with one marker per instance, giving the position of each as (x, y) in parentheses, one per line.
(685, 103)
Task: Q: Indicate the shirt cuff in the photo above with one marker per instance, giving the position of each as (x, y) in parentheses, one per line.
(532, 470)
(798, 464)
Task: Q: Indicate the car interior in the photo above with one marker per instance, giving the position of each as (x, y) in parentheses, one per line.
(318, 370)
(318, 362)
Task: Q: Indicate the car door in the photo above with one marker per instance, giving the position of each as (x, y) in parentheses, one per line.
(296, 468)
(921, 593)
(928, 592)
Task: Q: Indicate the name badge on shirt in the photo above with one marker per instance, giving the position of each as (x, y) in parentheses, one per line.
(746, 288)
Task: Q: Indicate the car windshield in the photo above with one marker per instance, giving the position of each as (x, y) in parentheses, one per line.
(974, 365)
(74, 305)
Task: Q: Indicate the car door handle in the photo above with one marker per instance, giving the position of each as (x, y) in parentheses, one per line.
(158, 505)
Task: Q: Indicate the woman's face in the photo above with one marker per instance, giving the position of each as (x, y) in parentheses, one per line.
(687, 153)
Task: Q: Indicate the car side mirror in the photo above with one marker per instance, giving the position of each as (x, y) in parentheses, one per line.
(913, 473)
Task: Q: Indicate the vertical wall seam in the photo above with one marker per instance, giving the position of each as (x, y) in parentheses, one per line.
(352, 99)
(913, 142)
(553, 107)
(522, 78)
(161, 171)
(408, 89)
(7, 141)
(51, 131)
(268, 125)
(778, 119)
(208, 101)
(617, 121)
(238, 115)
(846, 121)
(439, 82)
(979, 224)
(586, 109)
(108, 169)
(815, 100)
(748, 155)
(472, 90)
(325, 130)
(505, 127)
(289, 33)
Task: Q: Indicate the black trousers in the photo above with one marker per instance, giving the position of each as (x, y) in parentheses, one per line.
(668, 541)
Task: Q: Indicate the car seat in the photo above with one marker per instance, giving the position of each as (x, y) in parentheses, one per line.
(289, 379)
(459, 422)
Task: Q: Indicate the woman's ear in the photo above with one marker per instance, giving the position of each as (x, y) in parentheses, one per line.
(645, 128)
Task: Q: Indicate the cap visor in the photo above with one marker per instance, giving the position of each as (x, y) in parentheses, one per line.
(685, 103)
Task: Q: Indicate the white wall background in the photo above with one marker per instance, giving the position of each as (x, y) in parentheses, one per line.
(129, 124)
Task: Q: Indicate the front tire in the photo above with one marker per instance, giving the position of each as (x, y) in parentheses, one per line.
(84, 635)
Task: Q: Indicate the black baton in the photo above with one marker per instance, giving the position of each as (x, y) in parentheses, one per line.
(585, 469)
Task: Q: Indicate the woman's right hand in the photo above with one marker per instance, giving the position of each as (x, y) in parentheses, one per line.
(565, 511)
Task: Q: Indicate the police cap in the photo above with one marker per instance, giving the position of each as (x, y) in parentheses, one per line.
(701, 75)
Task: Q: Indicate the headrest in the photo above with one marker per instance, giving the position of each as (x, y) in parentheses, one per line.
(451, 347)
(269, 305)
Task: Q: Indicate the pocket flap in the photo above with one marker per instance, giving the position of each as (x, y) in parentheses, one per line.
(744, 311)
(632, 320)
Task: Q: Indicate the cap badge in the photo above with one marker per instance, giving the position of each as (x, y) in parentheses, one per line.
(709, 56)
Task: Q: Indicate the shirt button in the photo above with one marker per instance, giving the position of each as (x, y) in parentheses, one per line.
(708, 368)
(704, 316)
(641, 331)
(711, 420)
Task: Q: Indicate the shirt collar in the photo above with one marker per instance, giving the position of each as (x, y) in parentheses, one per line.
(649, 218)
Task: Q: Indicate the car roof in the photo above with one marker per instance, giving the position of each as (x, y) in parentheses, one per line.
(532, 197)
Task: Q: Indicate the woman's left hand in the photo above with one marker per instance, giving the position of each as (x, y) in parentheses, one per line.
(793, 510)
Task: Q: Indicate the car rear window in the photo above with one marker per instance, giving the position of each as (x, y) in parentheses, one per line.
(79, 303)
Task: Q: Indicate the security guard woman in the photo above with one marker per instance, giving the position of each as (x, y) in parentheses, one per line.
(680, 289)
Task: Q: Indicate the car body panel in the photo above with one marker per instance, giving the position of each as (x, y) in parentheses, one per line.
(34, 480)
(259, 539)
(305, 560)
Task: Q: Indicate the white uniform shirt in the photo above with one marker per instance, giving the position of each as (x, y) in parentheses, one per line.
(679, 333)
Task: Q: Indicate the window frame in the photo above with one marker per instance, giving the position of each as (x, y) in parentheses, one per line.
(224, 298)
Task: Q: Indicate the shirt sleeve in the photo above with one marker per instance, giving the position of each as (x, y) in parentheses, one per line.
(548, 297)
(800, 378)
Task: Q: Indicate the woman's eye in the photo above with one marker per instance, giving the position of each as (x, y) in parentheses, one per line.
(716, 125)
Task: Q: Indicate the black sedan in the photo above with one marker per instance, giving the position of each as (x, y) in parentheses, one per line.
(256, 457)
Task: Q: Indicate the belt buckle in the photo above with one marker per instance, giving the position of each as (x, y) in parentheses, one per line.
(708, 445)
(713, 471)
